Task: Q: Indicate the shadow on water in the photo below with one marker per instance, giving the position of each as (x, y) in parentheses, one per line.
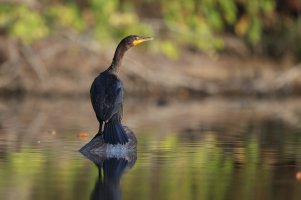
(110, 171)
(112, 161)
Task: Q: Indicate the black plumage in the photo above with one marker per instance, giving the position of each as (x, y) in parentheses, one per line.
(107, 95)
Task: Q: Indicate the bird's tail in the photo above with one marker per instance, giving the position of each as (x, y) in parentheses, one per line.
(114, 133)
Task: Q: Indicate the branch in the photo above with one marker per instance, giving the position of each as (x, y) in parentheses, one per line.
(34, 62)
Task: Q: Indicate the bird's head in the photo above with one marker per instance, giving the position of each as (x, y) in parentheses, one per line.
(134, 40)
(125, 44)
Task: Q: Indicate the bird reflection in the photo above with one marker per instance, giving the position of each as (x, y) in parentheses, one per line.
(110, 171)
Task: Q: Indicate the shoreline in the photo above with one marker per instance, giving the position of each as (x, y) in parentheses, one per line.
(70, 69)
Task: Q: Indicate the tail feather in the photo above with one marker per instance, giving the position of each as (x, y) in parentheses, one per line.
(114, 133)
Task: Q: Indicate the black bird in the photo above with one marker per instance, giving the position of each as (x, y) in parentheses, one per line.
(107, 95)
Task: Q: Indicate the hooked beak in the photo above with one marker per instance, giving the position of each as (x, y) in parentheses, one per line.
(142, 39)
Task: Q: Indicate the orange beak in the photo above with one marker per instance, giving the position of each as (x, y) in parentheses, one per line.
(142, 39)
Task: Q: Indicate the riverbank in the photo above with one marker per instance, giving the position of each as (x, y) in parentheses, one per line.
(67, 68)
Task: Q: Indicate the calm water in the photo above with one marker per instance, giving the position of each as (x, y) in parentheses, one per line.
(206, 149)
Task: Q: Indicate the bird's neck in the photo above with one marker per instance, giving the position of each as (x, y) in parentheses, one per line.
(118, 56)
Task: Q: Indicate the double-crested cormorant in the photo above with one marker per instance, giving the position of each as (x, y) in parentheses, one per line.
(107, 95)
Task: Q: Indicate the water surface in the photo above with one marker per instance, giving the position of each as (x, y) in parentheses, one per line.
(201, 149)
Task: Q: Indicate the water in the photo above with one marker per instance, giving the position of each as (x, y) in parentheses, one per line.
(201, 149)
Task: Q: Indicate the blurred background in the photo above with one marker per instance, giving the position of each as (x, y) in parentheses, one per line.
(201, 47)
(214, 100)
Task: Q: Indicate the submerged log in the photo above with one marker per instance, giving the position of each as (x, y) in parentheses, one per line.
(98, 149)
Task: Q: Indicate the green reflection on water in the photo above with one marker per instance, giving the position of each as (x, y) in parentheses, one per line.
(40, 175)
(172, 166)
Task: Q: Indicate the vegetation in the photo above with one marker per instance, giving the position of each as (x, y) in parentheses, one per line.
(200, 24)
(43, 39)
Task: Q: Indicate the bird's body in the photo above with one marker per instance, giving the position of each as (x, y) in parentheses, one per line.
(107, 99)
(107, 96)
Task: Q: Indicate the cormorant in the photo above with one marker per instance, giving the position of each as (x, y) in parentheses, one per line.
(107, 95)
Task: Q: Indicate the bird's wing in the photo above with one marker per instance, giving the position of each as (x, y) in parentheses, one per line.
(97, 93)
(113, 99)
(107, 97)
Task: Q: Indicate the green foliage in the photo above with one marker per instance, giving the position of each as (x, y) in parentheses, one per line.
(169, 49)
(189, 26)
(113, 21)
(22, 22)
(65, 16)
(254, 11)
(200, 24)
